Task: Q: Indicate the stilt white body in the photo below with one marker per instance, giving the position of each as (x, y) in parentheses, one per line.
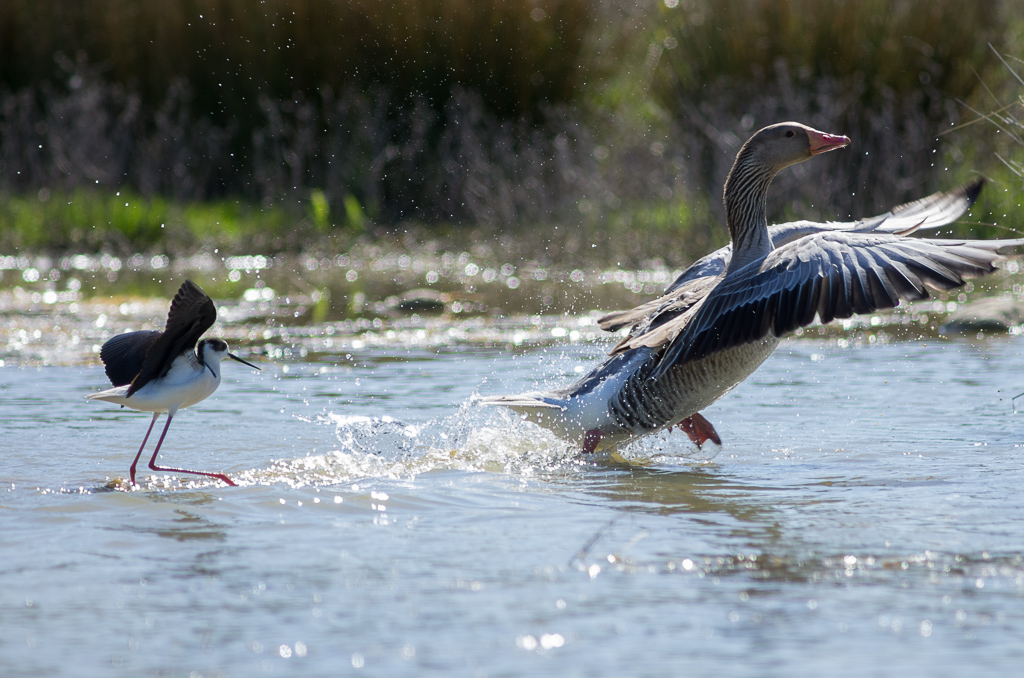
(187, 383)
(162, 372)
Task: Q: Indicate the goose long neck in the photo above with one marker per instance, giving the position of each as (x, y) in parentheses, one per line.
(746, 192)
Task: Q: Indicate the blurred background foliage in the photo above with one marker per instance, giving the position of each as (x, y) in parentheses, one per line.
(595, 128)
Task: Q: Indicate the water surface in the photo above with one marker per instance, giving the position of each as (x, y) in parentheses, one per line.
(863, 517)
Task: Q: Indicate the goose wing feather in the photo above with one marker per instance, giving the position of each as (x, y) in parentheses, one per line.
(829, 275)
(664, 307)
(937, 209)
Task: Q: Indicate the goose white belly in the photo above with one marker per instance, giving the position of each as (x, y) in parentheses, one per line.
(571, 412)
(646, 406)
(625, 403)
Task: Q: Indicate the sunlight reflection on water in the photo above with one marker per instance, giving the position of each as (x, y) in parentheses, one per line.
(862, 516)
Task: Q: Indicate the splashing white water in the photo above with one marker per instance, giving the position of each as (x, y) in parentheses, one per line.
(474, 438)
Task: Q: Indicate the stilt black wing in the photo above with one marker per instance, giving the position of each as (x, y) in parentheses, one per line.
(192, 313)
(124, 355)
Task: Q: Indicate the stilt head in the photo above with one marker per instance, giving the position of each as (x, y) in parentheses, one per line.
(213, 351)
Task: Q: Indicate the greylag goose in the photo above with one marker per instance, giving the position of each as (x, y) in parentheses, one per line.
(716, 325)
(938, 209)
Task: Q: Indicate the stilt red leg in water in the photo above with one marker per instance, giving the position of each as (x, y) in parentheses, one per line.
(590, 440)
(143, 446)
(152, 461)
(699, 429)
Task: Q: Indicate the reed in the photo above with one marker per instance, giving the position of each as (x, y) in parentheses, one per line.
(197, 99)
(998, 126)
(515, 53)
(888, 74)
(578, 123)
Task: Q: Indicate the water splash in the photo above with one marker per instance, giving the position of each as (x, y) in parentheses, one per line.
(473, 438)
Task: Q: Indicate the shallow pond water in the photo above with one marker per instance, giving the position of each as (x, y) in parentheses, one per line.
(863, 517)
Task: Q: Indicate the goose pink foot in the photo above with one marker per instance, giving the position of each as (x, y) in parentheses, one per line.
(699, 430)
(590, 440)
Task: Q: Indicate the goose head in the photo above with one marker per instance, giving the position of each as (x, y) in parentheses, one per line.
(787, 143)
(765, 154)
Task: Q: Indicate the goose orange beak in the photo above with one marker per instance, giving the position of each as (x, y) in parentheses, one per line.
(823, 143)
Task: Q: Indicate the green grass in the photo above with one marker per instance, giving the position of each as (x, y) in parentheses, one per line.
(124, 222)
(992, 140)
(121, 223)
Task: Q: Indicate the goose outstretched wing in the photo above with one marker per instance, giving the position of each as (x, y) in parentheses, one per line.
(828, 275)
(937, 209)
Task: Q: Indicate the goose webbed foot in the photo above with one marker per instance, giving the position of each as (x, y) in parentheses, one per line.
(699, 430)
(590, 440)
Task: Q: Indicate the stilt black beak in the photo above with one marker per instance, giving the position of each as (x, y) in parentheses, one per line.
(235, 357)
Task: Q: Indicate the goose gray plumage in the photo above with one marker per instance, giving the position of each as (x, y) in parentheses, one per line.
(725, 315)
(933, 211)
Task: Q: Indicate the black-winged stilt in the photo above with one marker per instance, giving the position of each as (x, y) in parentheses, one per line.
(165, 371)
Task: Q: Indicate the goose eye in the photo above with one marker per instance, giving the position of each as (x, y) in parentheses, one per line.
(789, 133)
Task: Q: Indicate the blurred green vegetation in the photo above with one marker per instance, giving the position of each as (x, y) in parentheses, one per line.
(892, 75)
(906, 48)
(389, 102)
(126, 222)
(997, 136)
(514, 53)
(601, 130)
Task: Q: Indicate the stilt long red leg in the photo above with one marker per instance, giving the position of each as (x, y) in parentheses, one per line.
(143, 446)
(152, 461)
